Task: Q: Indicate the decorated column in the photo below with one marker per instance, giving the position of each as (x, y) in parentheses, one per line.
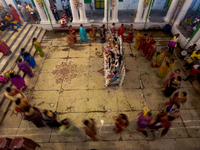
(171, 10)
(183, 11)
(74, 9)
(40, 8)
(114, 5)
(53, 20)
(147, 10)
(83, 18)
(106, 11)
(139, 11)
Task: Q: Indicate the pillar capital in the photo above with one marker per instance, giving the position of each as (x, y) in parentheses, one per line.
(74, 12)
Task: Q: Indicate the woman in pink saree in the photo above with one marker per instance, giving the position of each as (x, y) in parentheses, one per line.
(14, 13)
(174, 74)
(18, 81)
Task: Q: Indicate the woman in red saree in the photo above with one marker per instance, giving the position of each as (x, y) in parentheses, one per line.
(4, 48)
(121, 32)
(129, 39)
(149, 42)
(71, 31)
(143, 42)
(151, 50)
(14, 13)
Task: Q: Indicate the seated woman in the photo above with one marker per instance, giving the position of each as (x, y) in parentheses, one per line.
(10, 19)
(13, 94)
(20, 105)
(3, 79)
(172, 111)
(4, 48)
(178, 97)
(18, 81)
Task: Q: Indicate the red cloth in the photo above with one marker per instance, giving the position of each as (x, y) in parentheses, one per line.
(4, 48)
(194, 72)
(63, 16)
(143, 42)
(151, 52)
(149, 42)
(121, 32)
(113, 30)
(14, 13)
(73, 32)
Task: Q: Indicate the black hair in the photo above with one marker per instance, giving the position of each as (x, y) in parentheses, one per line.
(9, 5)
(124, 116)
(103, 25)
(122, 24)
(113, 24)
(81, 25)
(145, 34)
(172, 60)
(22, 49)
(153, 42)
(151, 35)
(195, 45)
(8, 89)
(34, 39)
(85, 122)
(26, 109)
(131, 24)
(149, 113)
(179, 78)
(178, 106)
(17, 102)
(45, 112)
(12, 75)
(184, 93)
(70, 26)
(19, 60)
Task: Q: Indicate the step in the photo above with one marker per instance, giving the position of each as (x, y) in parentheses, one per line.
(14, 48)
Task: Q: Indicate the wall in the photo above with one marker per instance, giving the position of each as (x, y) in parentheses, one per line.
(158, 4)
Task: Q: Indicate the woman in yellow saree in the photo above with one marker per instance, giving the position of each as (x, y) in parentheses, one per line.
(38, 47)
(92, 33)
(137, 40)
(165, 69)
(158, 58)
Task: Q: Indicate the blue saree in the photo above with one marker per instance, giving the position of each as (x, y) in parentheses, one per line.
(83, 34)
(27, 57)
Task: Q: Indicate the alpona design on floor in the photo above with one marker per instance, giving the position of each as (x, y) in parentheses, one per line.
(65, 72)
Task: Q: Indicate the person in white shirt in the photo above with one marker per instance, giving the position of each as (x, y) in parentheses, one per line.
(66, 7)
(23, 10)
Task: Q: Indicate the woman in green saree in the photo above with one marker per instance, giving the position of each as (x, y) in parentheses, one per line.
(38, 47)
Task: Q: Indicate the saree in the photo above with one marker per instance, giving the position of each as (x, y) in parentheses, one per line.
(172, 86)
(4, 48)
(129, 39)
(151, 52)
(9, 19)
(148, 44)
(38, 48)
(3, 79)
(71, 31)
(20, 108)
(18, 82)
(25, 68)
(137, 40)
(71, 130)
(27, 57)
(121, 32)
(70, 41)
(143, 42)
(27, 10)
(83, 34)
(172, 75)
(92, 33)
(14, 13)
(103, 35)
(15, 95)
(164, 70)
(158, 59)
(113, 30)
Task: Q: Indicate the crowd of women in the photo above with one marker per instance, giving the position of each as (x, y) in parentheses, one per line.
(147, 45)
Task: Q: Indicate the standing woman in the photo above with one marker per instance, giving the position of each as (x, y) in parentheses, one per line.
(172, 44)
(121, 32)
(174, 74)
(70, 40)
(92, 33)
(129, 39)
(151, 50)
(72, 32)
(4, 48)
(18, 81)
(27, 57)
(165, 69)
(38, 47)
(54, 10)
(14, 13)
(103, 34)
(83, 33)
(158, 58)
(148, 44)
(137, 39)
(23, 10)
(143, 42)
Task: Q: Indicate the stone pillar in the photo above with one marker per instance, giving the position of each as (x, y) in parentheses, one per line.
(74, 12)
(13, 4)
(115, 12)
(42, 13)
(53, 20)
(145, 12)
(105, 11)
(183, 11)
(83, 18)
(196, 37)
(171, 10)
(139, 11)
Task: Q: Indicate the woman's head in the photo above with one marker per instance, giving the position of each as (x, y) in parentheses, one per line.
(145, 34)
(131, 25)
(34, 39)
(154, 43)
(70, 26)
(113, 24)
(194, 45)
(19, 60)
(103, 26)
(151, 36)
(22, 50)
(18, 101)
(9, 5)
(176, 106)
(26, 109)
(171, 61)
(8, 89)
(177, 35)
(12, 75)
(7, 14)
(183, 94)
(177, 71)
(179, 78)
(48, 113)
(81, 25)
(122, 25)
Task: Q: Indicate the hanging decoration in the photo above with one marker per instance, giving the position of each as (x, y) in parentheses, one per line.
(77, 4)
(40, 3)
(180, 2)
(112, 2)
(146, 2)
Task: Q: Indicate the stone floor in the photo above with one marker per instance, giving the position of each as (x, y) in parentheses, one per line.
(66, 81)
